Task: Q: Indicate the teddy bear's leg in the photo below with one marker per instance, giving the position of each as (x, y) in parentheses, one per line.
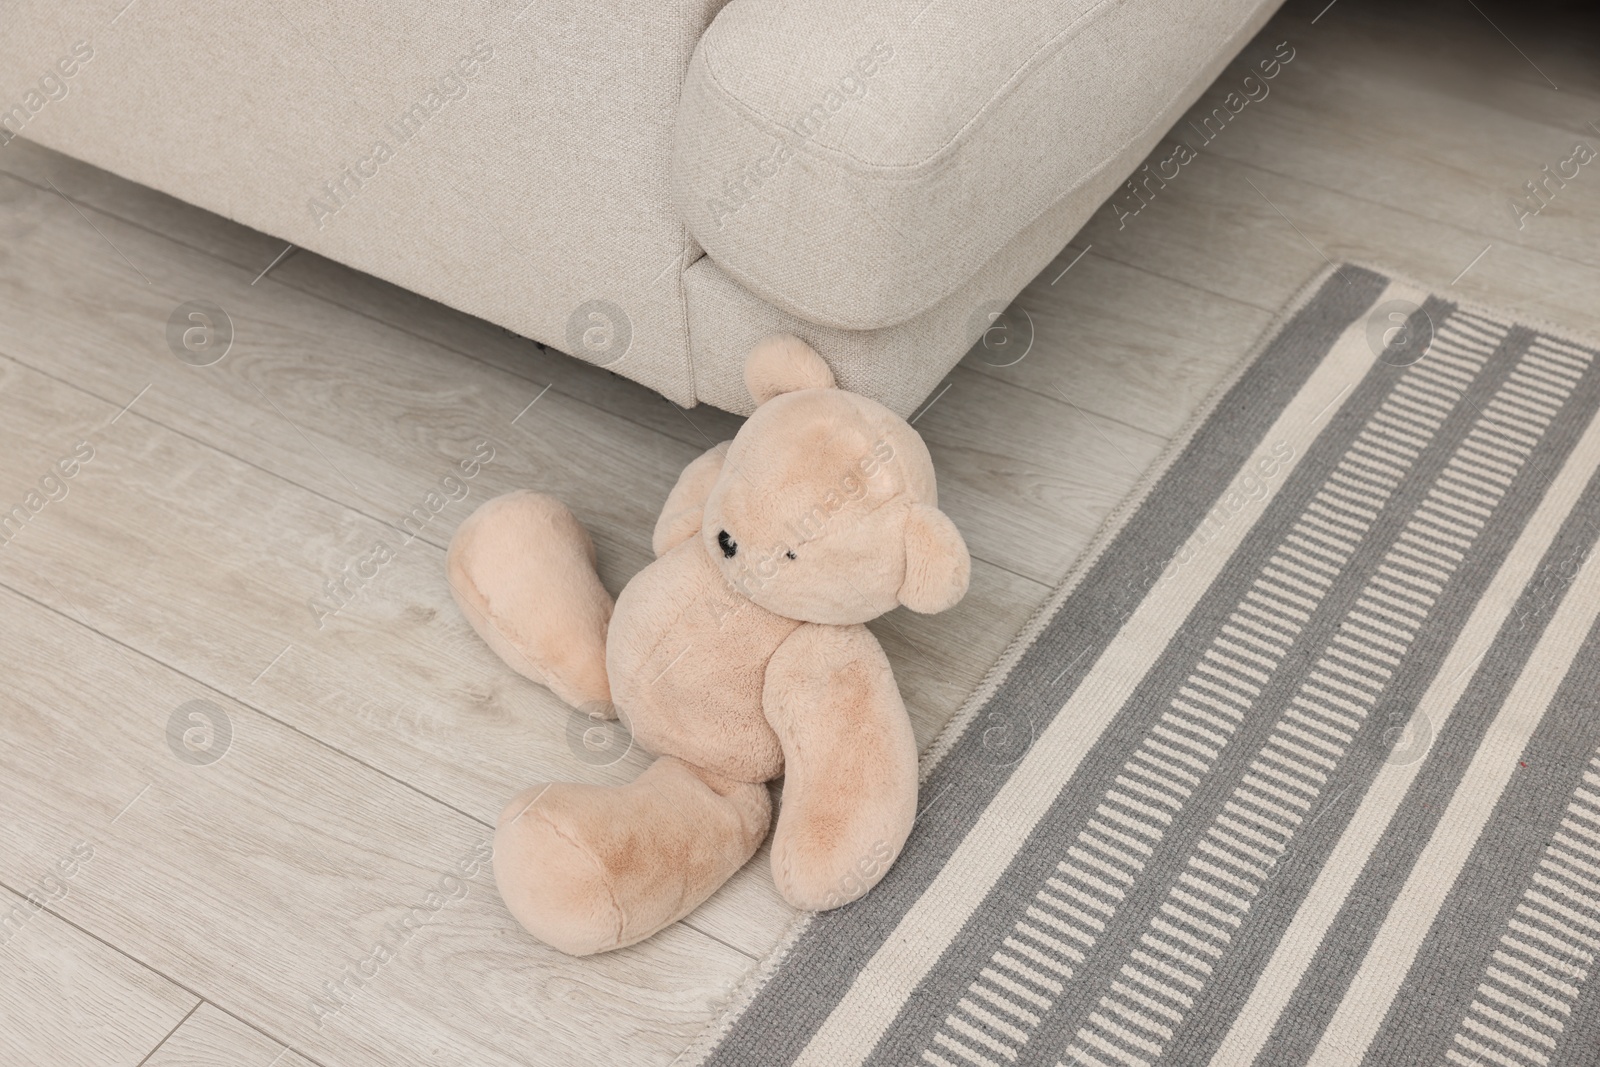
(850, 765)
(522, 569)
(588, 868)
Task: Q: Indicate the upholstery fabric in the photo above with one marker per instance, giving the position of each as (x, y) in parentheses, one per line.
(557, 167)
(900, 365)
(528, 143)
(856, 163)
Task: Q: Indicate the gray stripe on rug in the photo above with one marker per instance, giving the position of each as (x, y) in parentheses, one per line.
(1443, 982)
(1272, 910)
(1347, 941)
(835, 946)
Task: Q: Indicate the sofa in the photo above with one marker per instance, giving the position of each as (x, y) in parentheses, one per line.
(646, 186)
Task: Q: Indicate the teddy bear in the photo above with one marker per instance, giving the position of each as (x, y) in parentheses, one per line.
(737, 656)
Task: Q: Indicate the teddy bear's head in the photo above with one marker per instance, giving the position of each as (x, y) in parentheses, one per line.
(825, 509)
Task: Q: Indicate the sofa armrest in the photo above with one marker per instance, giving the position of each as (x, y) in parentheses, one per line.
(855, 163)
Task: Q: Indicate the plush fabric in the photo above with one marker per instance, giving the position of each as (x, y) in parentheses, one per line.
(587, 868)
(737, 656)
(538, 551)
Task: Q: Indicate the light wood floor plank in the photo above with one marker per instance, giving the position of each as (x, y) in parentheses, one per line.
(1237, 223)
(343, 405)
(1258, 245)
(1028, 478)
(1352, 96)
(1096, 344)
(213, 1038)
(67, 999)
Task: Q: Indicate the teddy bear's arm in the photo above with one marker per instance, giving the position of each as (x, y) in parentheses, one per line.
(686, 504)
(850, 764)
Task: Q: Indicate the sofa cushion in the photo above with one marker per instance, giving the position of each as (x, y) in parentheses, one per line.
(900, 366)
(854, 162)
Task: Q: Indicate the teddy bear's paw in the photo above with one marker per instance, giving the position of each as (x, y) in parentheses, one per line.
(589, 868)
(850, 765)
(522, 569)
(554, 885)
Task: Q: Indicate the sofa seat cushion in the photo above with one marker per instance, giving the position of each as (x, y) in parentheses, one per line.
(854, 162)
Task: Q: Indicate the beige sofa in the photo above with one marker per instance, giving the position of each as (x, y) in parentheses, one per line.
(645, 185)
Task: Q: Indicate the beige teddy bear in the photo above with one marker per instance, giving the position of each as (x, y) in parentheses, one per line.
(739, 655)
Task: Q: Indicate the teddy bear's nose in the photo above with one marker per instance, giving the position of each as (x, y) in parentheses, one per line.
(729, 545)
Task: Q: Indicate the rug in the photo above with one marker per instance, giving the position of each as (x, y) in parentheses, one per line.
(1300, 766)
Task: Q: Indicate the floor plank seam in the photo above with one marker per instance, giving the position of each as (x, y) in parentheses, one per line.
(174, 1030)
(721, 941)
(1483, 234)
(1007, 383)
(180, 672)
(143, 965)
(210, 447)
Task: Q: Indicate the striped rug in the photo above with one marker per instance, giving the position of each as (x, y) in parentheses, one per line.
(1302, 764)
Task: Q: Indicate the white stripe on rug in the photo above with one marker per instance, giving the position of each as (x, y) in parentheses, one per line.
(1371, 993)
(882, 988)
(1300, 941)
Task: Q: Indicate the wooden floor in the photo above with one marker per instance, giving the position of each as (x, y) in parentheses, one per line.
(317, 894)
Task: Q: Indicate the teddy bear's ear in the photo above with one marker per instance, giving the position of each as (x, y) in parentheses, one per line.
(937, 564)
(782, 364)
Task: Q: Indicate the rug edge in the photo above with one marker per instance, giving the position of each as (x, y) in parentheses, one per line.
(1498, 312)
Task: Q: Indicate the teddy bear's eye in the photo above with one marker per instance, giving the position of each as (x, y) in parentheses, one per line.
(729, 545)
(789, 554)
